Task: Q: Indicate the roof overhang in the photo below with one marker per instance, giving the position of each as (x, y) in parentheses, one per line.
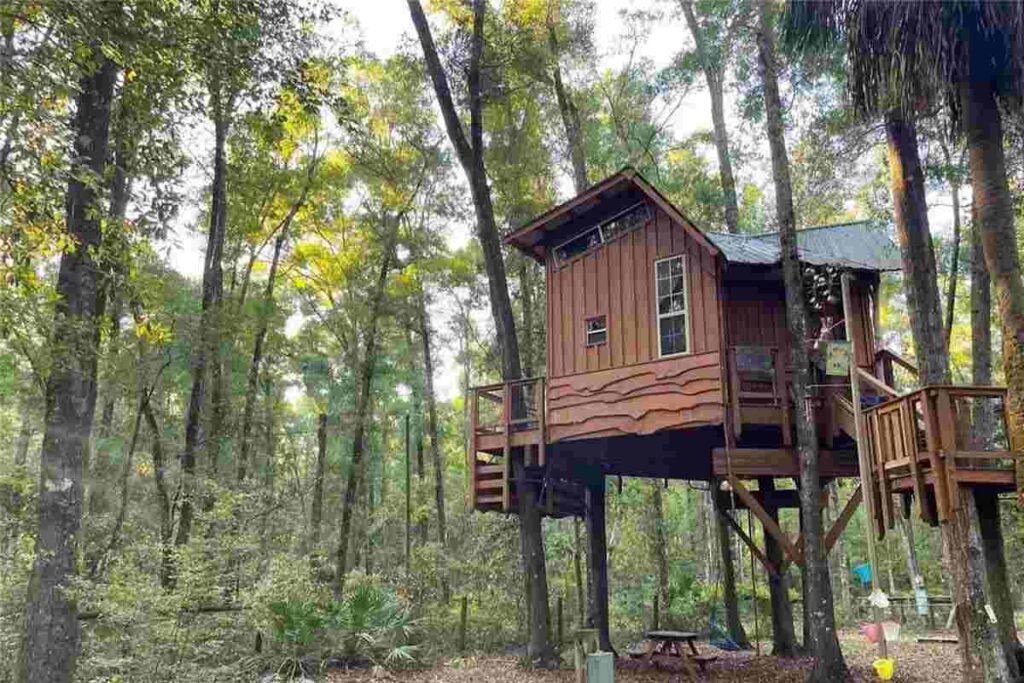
(534, 237)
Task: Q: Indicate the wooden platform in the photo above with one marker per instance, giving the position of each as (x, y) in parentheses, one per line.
(749, 463)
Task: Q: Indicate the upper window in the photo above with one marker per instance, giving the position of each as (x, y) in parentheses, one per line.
(597, 330)
(619, 224)
(673, 331)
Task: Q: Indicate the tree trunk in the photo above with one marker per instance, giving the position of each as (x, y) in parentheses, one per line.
(954, 259)
(52, 629)
(981, 336)
(714, 75)
(25, 431)
(362, 412)
(435, 439)
(995, 216)
(316, 512)
(997, 580)
(598, 556)
(660, 545)
(783, 631)
(163, 497)
(913, 566)
(728, 575)
(570, 118)
(252, 379)
(577, 566)
(828, 659)
(206, 350)
(919, 281)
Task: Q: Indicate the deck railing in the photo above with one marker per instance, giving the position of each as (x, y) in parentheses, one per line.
(502, 416)
(939, 435)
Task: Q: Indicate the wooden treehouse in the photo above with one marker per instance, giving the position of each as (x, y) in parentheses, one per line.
(668, 357)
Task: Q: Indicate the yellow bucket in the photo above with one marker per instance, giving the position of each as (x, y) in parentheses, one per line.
(884, 668)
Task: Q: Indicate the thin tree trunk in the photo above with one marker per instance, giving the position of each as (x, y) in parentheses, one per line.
(577, 567)
(362, 412)
(570, 117)
(981, 336)
(995, 215)
(954, 258)
(828, 663)
(913, 565)
(52, 629)
(435, 439)
(732, 607)
(163, 498)
(25, 431)
(252, 379)
(997, 578)
(206, 350)
(919, 273)
(714, 75)
(317, 510)
(660, 544)
(126, 469)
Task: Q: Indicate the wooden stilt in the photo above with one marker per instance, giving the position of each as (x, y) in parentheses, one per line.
(770, 525)
(599, 554)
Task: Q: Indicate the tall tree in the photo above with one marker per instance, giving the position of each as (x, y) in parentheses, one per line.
(713, 39)
(52, 628)
(828, 658)
(470, 153)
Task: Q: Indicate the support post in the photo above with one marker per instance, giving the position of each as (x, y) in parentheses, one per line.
(599, 554)
(783, 633)
(867, 482)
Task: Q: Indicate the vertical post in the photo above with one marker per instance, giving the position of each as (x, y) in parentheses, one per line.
(463, 618)
(408, 497)
(506, 429)
(657, 617)
(866, 476)
(599, 556)
(474, 415)
(541, 421)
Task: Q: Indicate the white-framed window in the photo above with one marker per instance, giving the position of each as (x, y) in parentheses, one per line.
(672, 306)
(597, 330)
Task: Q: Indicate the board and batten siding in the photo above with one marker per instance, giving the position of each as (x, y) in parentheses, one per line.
(622, 386)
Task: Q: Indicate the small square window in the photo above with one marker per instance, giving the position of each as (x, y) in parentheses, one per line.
(597, 330)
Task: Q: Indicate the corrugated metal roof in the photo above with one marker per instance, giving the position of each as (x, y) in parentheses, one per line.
(860, 244)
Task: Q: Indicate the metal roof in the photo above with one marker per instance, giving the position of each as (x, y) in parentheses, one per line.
(864, 245)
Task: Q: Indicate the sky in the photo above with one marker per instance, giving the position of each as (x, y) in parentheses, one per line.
(384, 25)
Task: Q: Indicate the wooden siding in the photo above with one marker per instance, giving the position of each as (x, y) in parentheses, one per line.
(671, 393)
(617, 280)
(860, 324)
(756, 314)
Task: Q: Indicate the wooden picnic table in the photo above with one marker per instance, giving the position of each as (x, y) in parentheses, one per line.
(669, 643)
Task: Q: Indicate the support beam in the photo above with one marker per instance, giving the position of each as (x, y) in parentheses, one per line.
(768, 565)
(596, 535)
(770, 525)
(783, 633)
(844, 518)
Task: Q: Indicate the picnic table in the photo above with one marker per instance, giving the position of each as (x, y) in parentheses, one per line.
(670, 643)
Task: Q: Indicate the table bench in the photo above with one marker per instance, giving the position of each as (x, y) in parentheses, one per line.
(670, 644)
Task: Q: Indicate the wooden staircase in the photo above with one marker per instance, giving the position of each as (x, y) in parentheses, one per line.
(508, 426)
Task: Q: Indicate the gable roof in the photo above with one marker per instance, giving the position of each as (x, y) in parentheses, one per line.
(530, 237)
(864, 245)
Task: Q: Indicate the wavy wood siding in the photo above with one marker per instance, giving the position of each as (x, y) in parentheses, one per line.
(622, 386)
(672, 393)
(617, 280)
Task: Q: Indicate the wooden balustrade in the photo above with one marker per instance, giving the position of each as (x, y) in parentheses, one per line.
(934, 439)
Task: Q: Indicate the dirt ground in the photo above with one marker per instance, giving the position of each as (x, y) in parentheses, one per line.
(915, 663)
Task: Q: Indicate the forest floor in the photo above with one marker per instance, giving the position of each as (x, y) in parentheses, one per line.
(915, 663)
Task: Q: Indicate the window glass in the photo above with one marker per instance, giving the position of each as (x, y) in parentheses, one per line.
(597, 330)
(670, 280)
(578, 245)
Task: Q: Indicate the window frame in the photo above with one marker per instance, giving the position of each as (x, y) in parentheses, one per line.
(600, 229)
(685, 313)
(587, 332)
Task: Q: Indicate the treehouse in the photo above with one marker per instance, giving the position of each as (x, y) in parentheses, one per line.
(668, 357)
